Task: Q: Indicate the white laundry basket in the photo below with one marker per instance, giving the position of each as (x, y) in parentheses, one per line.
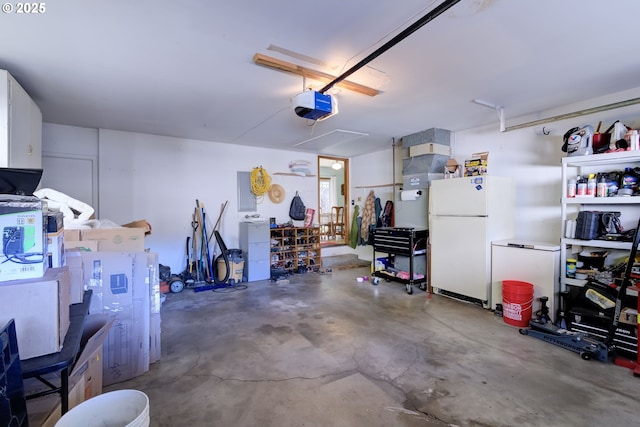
(120, 408)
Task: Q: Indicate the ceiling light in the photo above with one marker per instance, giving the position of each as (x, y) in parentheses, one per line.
(337, 166)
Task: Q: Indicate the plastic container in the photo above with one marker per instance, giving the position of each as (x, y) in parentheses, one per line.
(128, 408)
(628, 183)
(601, 188)
(571, 188)
(591, 185)
(517, 302)
(581, 187)
(634, 142)
(571, 267)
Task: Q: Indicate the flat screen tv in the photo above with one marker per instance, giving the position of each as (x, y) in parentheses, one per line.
(19, 181)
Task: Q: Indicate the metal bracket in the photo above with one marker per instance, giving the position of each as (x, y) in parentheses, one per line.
(499, 110)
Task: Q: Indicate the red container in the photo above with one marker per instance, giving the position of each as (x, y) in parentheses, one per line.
(517, 302)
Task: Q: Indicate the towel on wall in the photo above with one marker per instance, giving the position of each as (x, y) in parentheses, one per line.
(354, 233)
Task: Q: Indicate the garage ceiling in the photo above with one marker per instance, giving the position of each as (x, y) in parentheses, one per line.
(186, 68)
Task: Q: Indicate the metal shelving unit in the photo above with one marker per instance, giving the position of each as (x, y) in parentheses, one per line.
(629, 206)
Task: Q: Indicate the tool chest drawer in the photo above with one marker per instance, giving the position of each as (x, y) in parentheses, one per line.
(400, 241)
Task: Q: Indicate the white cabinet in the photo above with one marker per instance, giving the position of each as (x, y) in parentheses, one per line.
(628, 206)
(20, 126)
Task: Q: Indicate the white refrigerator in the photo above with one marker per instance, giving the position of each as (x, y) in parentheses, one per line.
(465, 215)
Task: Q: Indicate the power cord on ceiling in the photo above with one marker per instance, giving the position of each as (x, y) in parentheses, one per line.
(388, 34)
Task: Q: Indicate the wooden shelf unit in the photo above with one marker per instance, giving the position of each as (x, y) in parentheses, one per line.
(296, 249)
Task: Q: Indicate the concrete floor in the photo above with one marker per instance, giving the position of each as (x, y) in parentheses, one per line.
(323, 350)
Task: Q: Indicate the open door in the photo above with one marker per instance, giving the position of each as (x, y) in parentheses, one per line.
(333, 197)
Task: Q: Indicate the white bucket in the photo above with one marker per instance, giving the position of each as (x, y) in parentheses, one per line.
(120, 408)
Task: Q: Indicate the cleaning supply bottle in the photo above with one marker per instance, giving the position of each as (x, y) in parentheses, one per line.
(628, 183)
(571, 188)
(601, 187)
(634, 140)
(581, 186)
(591, 185)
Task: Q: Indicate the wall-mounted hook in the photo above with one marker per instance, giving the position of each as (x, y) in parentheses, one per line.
(545, 131)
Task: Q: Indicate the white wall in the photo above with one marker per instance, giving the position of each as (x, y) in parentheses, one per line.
(373, 171)
(159, 178)
(70, 161)
(533, 159)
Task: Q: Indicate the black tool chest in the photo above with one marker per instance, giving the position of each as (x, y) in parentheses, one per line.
(407, 242)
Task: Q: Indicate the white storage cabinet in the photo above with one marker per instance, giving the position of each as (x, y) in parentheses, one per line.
(20, 126)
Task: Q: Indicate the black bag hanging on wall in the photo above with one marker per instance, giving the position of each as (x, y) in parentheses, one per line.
(297, 209)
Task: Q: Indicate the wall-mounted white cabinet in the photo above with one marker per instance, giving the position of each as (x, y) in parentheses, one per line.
(20, 126)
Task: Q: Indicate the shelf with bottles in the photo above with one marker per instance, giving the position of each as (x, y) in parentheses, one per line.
(604, 168)
(607, 167)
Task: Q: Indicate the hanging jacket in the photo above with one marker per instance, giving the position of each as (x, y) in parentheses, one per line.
(378, 207)
(354, 233)
(368, 216)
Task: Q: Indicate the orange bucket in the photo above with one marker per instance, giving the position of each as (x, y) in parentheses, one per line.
(517, 302)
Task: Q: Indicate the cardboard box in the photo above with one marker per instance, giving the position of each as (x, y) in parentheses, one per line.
(71, 235)
(55, 249)
(73, 259)
(24, 243)
(142, 223)
(119, 281)
(452, 169)
(478, 164)
(119, 239)
(84, 246)
(40, 308)
(85, 380)
(429, 148)
(628, 316)
(155, 304)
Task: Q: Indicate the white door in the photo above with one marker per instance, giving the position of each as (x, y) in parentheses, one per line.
(459, 255)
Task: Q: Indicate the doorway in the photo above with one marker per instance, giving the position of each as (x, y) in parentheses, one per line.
(333, 197)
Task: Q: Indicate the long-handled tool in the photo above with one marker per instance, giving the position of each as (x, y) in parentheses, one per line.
(622, 289)
(205, 242)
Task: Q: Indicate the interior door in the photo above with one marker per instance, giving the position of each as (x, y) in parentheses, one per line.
(333, 190)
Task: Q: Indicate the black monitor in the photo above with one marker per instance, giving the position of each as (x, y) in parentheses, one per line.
(19, 181)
